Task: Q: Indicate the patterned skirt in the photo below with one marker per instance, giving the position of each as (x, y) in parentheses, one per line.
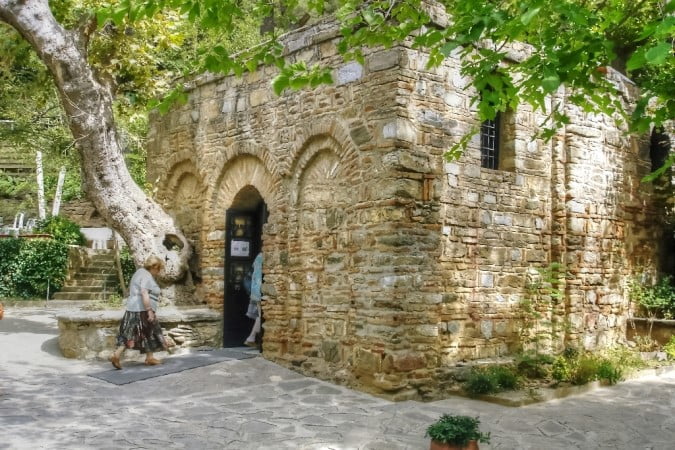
(138, 333)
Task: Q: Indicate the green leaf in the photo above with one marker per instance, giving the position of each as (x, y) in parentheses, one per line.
(298, 82)
(526, 18)
(251, 65)
(118, 15)
(636, 60)
(551, 81)
(657, 55)
(280, 83)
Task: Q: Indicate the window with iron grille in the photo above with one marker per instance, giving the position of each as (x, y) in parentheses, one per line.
(489, 143)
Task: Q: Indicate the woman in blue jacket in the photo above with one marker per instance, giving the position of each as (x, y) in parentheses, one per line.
(254, 300)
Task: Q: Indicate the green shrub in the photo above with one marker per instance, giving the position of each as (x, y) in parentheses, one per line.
(63, 230)
(9, 252)
(585, 371)
(669, 348)
(32, 268)
(127, 263)
(562, 368)
(534, 365)
(491, 380)
(657, 300)
(609, 372)
(457, 430)
(480, 382)
(625, 358)
(14, 186)
(505, 377)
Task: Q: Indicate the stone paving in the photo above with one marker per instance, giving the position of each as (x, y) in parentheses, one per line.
(49, 402)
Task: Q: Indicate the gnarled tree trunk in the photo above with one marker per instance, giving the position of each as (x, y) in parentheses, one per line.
(143, 224)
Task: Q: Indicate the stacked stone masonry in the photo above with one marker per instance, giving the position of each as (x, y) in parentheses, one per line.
(384, 264)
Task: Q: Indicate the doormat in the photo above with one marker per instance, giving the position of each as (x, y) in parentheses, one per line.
(138, 371)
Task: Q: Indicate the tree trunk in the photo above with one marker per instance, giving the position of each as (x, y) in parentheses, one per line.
(87, 101)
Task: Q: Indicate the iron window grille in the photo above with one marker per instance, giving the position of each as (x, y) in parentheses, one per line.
(489, 143)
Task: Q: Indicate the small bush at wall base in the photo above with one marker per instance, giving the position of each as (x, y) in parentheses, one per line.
(586, 370)
(480, 383)
(534, 365)
(505, 377)
(669, 348)
(491, 380)
(608, 372)
(32, 268)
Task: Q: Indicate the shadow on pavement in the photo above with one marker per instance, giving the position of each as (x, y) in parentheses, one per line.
(16, 325)
(51, 346)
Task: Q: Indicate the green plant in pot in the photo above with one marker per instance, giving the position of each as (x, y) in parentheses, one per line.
(452, 432)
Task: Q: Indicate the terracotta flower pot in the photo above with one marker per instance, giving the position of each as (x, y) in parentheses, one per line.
(471, 445)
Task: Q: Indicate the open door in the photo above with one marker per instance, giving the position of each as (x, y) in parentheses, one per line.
(243, 239)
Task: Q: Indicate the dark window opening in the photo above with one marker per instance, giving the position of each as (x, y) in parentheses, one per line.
(658, 148)
(489, 143)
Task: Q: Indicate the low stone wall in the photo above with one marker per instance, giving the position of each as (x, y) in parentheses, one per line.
(91, 334)
(661, 332)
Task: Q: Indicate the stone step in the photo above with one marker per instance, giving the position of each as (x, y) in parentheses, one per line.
(103, 258)
(82, 295)
(96, 271)
(82, 280)
(91, 282)
(109, 287)
(103, 268)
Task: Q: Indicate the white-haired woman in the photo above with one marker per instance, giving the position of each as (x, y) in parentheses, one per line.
(139, 328)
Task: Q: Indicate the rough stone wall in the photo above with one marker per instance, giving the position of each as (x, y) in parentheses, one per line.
(83, 213)
(384, 265)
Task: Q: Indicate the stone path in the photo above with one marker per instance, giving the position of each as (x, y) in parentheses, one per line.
(48, 402)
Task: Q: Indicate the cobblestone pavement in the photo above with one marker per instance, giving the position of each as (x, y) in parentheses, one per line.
(47, 401)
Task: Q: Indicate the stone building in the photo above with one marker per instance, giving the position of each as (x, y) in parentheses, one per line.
(385, 265)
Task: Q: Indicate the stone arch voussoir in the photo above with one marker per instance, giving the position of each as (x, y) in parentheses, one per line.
(329, 137)
(178, 171)
(323, 134)
(239, 172)
(241, 149)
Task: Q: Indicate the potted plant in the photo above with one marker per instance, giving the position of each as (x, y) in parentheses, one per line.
(452, 432)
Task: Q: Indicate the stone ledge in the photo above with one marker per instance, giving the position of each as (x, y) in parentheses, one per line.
(164, 315)
(92, 334)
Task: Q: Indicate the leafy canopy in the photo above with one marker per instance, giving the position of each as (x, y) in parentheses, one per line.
(139, 59)
(141, 46)
(570, 43)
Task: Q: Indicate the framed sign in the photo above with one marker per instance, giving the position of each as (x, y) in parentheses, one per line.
(240, 248)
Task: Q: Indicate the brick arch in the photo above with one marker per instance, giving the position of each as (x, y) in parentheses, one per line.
(180, 169)
(315, 147)
(185, 160)
(244, 170)
(238, 150)
(317, 136)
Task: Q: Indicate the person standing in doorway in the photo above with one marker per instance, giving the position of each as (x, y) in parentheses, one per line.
(254, 310)
(139, 328)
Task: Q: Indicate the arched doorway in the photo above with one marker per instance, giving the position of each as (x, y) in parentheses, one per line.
(243, 240)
